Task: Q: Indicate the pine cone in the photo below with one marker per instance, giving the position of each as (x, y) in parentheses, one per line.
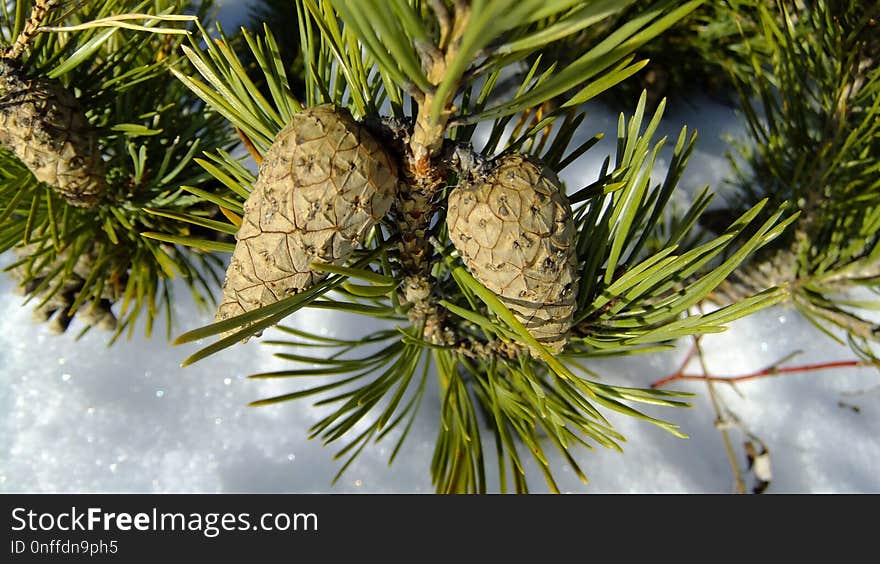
(57, 296)
(322, 185)
(515, 233)
(42, 123)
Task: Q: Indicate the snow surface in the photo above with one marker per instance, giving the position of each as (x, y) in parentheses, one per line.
(81, 417)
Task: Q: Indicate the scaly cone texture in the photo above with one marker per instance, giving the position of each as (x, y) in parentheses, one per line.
(515, 233)
(43, 125)
(56, 300)
(322, 185)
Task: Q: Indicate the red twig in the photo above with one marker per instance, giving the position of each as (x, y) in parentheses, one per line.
(767, 372)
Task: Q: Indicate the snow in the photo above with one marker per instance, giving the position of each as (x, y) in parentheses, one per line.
(82, 417)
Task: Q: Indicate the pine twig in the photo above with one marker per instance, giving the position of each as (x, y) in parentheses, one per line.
(723, 419)
(424, 179)
(764, 373)
(720, 420)
(39, 13)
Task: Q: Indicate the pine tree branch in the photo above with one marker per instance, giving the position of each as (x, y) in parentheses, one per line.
(491, 366)
(147, 132)
(39, 13)
(813, 146)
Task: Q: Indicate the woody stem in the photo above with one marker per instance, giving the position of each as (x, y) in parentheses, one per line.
(423, 178)
(765, 373)
(39, 13)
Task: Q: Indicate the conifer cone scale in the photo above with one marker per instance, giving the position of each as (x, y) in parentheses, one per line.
(515, 233)
(42, 124)
(322, 185)
(56, 298)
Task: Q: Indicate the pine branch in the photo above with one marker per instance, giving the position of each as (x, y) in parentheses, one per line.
(493, 370)
(39, 13)
(813, 130)
(145, 132)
